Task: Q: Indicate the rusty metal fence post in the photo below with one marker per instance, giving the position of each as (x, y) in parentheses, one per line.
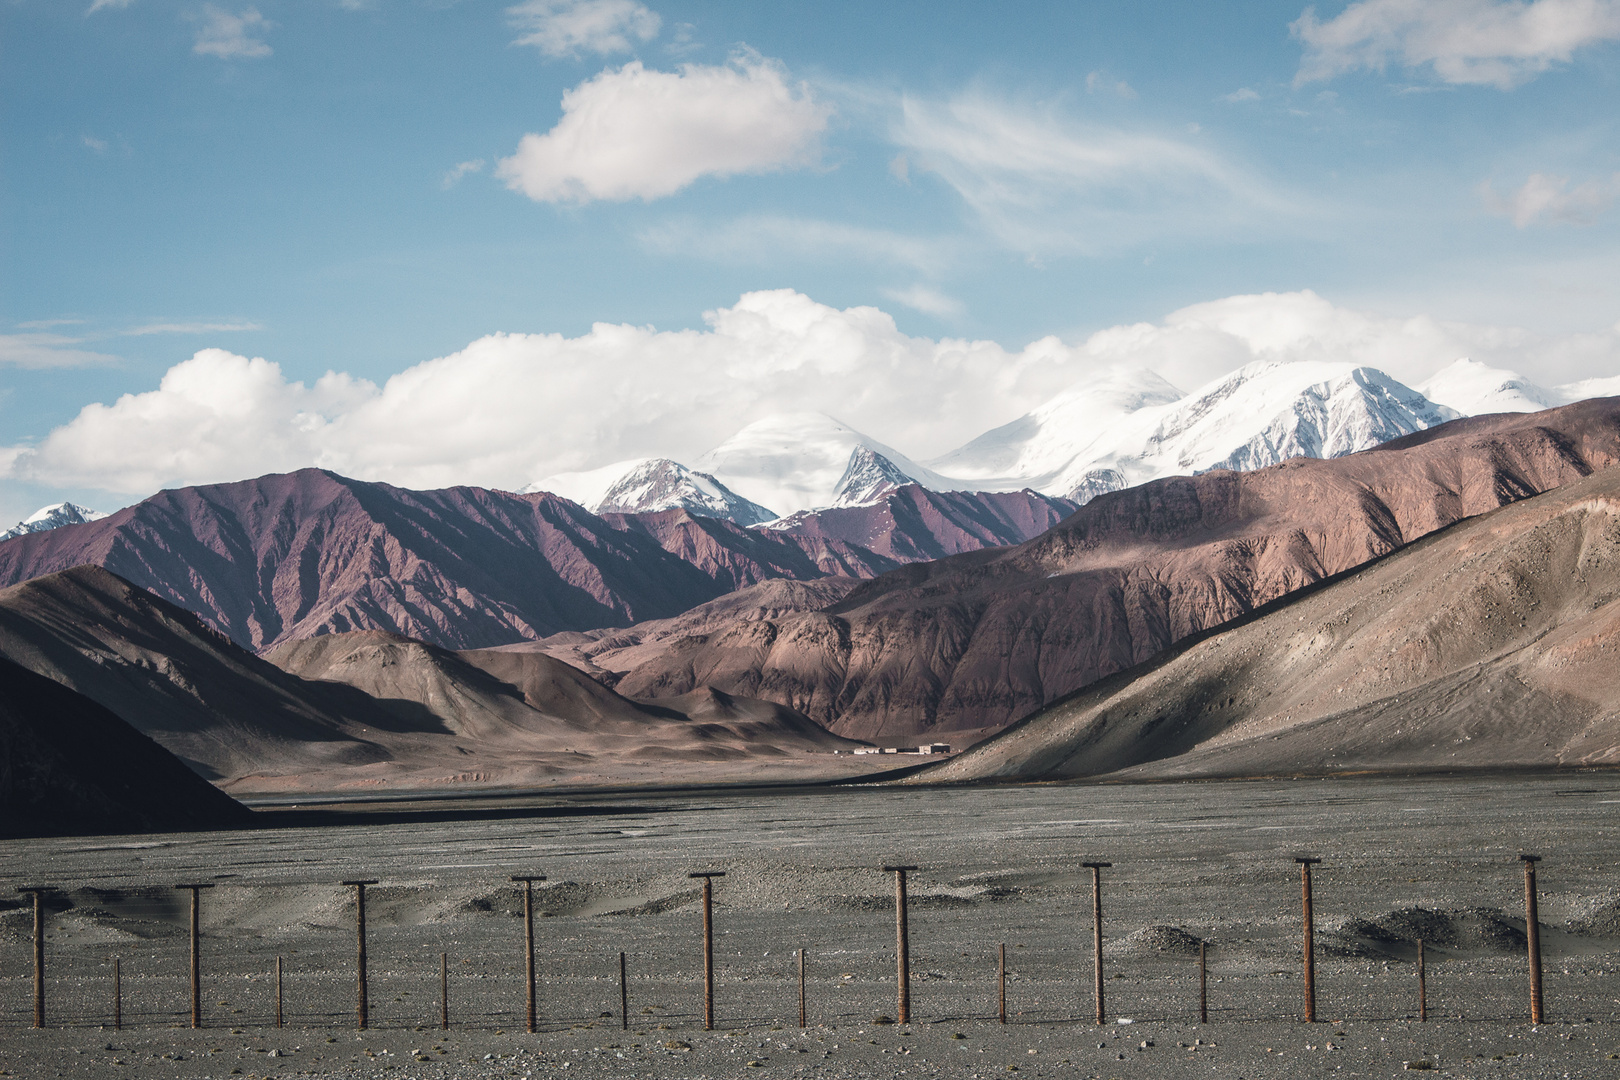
(802, 1023)
(278, 991)
(1203, 982)
(1096, 869)
(444, 991)
(1423, 985)
(708, 877)
(362, 1013)
(1305, 863)
(39, 892)
(624, 997)
(196, 952)
(528, 936)
(118, 995)
(1001, 978)
(902, 944)
(1532, 936)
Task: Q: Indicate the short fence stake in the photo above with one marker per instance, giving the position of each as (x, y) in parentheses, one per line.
(444, 991)
(39, 950)
(118, 996)
(528, 935)
(1001, 975)
(708, 877)
(1096, 931)
(1305, 863)
(1532, 935)
(196, 958)
(1203, 983)
(1423, 985)
(278, 991)
(360, 947)
(624, 997)
(802, 1023)
(902, 943)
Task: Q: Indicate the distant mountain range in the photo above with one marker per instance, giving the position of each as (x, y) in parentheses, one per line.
(51, 517)
(1121, 428)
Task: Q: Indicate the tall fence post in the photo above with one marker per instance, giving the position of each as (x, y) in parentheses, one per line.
(1001, 980)
(624, 997)
(196, 951)
(444, 991)
(1423, 985)
(278, 991)
(708, 877)
(1305, 863)
(118, 995)
(902, 943)
(528, 936)
(1203, 983)
(39, 892)
(1096, 932)
(1532, 935)
(360, 1009)
(802, 1014)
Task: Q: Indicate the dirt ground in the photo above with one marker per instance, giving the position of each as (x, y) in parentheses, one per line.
(1210, 862)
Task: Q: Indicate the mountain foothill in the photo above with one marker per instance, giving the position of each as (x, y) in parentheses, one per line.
(1119, 583)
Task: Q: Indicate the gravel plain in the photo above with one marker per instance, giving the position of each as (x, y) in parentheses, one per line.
(1210, 862)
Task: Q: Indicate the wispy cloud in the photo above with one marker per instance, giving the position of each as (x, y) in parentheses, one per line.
(48, 351)
(1097, 82)
(1548, 199)
(1500, 43)
(569, 27)
(190, 328)
(231, 37)
(769, 238)
(98, 145)
(1241, 94)
(108, 5)
(48, 324)
(634, 133)
(928, 300)
(465, 168)
(1043, 182)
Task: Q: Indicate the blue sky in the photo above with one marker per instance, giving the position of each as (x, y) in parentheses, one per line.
(363, 188)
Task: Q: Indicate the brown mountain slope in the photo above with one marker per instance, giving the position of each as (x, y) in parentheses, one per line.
(70, 767)
(1493, 644)
(220, 709)
(288, 557)
(986, 637)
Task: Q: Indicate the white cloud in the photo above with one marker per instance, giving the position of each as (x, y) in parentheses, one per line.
(633, 133)
(929, 301)
(1045, 183)
(108, 5)
(465, 168)
(48, 350)
(567, 27)
(1500, 43)
(618, 391)
(1241, 94)
(1550, 199)
(189, 328)
(93, 143)
(767, 238)
(231, 36)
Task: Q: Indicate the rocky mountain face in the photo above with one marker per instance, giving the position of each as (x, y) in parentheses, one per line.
(652, 485)
(288, 557)
(1488, 645)
(69, 766)
(986, 637)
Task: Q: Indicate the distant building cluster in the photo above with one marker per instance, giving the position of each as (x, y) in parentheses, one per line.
(926, 748)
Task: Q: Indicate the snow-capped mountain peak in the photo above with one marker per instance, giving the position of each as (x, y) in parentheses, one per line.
(646, 485)
(868, 477)
(52, 517)
(798, 461)
(1474, 389)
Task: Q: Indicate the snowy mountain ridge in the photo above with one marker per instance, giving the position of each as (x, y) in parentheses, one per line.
(52, 517)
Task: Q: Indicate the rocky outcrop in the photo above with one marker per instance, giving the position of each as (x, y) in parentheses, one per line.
(986, 637)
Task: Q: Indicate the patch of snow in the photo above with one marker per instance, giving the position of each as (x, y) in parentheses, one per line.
(51, 517)
(1474, 389)
(647, 485)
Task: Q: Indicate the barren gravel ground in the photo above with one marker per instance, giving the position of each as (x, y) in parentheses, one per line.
(1402, 857)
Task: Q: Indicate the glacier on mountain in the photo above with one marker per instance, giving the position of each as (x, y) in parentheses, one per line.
(52, 517)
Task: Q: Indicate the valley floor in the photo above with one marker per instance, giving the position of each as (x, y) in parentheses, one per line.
(997, 866)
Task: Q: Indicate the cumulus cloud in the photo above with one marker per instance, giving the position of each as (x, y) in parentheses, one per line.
(634, 133)
(1500, 43)
(619, 391)
(1550, 199)
(568, 27)
(48, 350)
(1043, 182)
(230, 36)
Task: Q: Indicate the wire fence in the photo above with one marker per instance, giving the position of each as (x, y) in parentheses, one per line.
(122, 957)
